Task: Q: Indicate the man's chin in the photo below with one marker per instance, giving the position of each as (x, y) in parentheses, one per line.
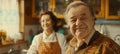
(80, 36)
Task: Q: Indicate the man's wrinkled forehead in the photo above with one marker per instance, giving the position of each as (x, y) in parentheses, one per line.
(78, 10)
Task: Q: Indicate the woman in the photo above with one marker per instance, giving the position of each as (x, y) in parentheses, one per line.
(48, 42)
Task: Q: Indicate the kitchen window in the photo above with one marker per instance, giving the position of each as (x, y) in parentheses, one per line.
(10, 16)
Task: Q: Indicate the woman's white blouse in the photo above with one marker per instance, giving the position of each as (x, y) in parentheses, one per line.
(52, 38)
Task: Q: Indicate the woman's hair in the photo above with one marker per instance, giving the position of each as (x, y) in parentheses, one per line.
(53, 18)
(78, 3)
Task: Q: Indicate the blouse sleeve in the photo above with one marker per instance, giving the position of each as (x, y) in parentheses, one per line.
(34, 46)
(62, 41)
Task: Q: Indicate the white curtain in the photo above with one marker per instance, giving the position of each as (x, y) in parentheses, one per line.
(9, 16)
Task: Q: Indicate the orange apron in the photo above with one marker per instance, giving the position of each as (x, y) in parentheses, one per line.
(49, 47)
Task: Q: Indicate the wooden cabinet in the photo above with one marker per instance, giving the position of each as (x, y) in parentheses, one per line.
(56, 6)
(112, 9)
(59, 7)
(98, 7)
(40, 6)
(102, 8)
(107, 9)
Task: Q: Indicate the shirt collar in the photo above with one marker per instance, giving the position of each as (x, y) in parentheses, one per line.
(87, 40)
(73, 42)
(51, 36)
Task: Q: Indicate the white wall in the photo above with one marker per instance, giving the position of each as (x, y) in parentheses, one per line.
(109, 30)
(35, 29)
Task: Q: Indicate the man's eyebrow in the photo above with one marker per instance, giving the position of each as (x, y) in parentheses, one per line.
(72, 17)
(83, 14)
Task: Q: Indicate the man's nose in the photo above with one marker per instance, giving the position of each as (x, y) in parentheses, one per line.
(78, 21)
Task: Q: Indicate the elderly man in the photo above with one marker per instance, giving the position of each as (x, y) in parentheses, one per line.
(86, 40)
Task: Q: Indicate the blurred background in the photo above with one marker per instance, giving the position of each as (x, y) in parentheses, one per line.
(19, 21)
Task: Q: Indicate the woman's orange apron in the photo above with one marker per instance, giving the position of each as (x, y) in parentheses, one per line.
(49, 47)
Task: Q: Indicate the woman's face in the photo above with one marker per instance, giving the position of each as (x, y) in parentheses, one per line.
(80, 21)
(46, 22)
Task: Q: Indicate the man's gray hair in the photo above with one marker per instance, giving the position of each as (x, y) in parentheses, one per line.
(77, 3)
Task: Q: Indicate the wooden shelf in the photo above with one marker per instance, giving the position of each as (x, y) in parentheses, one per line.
(8, 43)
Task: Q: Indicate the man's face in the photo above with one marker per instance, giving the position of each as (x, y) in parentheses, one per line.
(80, 21)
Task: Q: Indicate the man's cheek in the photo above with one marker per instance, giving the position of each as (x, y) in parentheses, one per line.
(72, 29)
